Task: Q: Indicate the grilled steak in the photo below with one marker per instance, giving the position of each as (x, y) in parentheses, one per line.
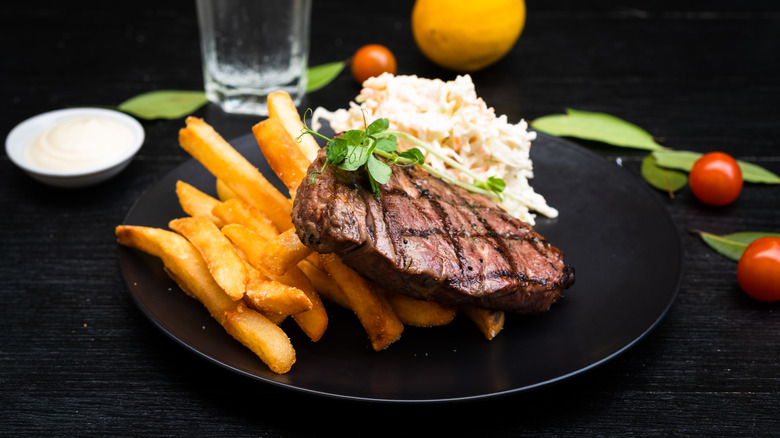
(431, 240)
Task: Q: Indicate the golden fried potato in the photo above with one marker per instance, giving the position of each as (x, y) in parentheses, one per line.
(226, 164)
(223, 262)
(236, 211)
(314, 321)
(223, 191)
(371, 307)
(184, 262)
(282, 153)
(247, 241)
(323, 284)
(282, 252)
(282, 108)
(196, 203)
(276, 318)
(489, 322)
(273, 315)
(272, 297)
(187, 267)
(420, 313)
(266, 339)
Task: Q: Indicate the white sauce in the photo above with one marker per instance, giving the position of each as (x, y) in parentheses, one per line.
(80, 143)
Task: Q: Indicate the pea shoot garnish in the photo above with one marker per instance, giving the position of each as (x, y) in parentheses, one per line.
(375, 149)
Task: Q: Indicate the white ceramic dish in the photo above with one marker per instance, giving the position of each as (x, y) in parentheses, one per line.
(24, 133)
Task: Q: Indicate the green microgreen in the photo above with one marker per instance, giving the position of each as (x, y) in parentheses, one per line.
(375, 148)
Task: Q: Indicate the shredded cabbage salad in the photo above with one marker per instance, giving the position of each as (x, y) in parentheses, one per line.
(451, 119)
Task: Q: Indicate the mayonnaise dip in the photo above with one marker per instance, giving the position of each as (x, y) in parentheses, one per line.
(80, 143)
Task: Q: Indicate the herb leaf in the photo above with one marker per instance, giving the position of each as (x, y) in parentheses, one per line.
(378, 126)
(415, 155)
(667, 180)
(337, 150)
(680, 160)
(683, 160)
(356, 157)
(732, 245)
(387, 144)
(612, 130)
(164, 104)
(496, 184)
(757, 174)
(357, 148)
(321, 75)
(354, 136)
(379, 170)
(596, 126)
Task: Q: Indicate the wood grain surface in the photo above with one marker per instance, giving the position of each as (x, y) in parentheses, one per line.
(78, 358)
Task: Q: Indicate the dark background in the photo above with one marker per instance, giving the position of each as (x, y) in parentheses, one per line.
(78, 358)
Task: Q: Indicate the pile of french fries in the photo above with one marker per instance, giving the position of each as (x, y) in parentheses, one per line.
(238, 254)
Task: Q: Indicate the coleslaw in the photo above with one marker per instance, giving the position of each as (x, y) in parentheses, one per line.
(451, 119)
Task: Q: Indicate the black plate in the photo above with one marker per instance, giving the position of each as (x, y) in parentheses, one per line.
(614, 231)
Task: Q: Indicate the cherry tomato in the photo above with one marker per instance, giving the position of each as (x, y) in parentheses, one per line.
(372, 60)
(758, 270)
(716, 179)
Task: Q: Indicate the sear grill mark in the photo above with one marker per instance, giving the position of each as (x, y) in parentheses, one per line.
(454, 238)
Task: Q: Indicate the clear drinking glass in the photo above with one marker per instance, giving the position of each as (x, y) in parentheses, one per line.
(252, 48)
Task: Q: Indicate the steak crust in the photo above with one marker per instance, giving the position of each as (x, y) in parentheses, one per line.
(430, 240)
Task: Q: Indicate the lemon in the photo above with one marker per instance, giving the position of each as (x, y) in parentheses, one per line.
(467, 35)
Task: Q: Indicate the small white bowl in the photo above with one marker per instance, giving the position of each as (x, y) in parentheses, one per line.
(24, 133)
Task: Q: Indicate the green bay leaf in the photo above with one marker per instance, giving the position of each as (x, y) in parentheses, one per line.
(679, 160)
(732, 245)
(684, 160)
(667, 180)
(164, 104)
(757, 174)
(321, 75)
(596, 126)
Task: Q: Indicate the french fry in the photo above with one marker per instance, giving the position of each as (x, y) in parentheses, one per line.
(183, 261)
(272, 297)
(282, 152)
(236, 211)
(281, 107)
(272, 313)
(223, 262)
(314, 259)
(189, 270)
(282, 252)
(323, 284)
(247, 241)
(275, 256)
(196, 203)
(266, 339)
(489, 322)
(276, 318)
(371, 307)
(225, 163)
(420, 313)
(314, 321)
(223, 191)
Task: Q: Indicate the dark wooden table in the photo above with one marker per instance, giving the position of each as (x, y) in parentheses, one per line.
(78, 357)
